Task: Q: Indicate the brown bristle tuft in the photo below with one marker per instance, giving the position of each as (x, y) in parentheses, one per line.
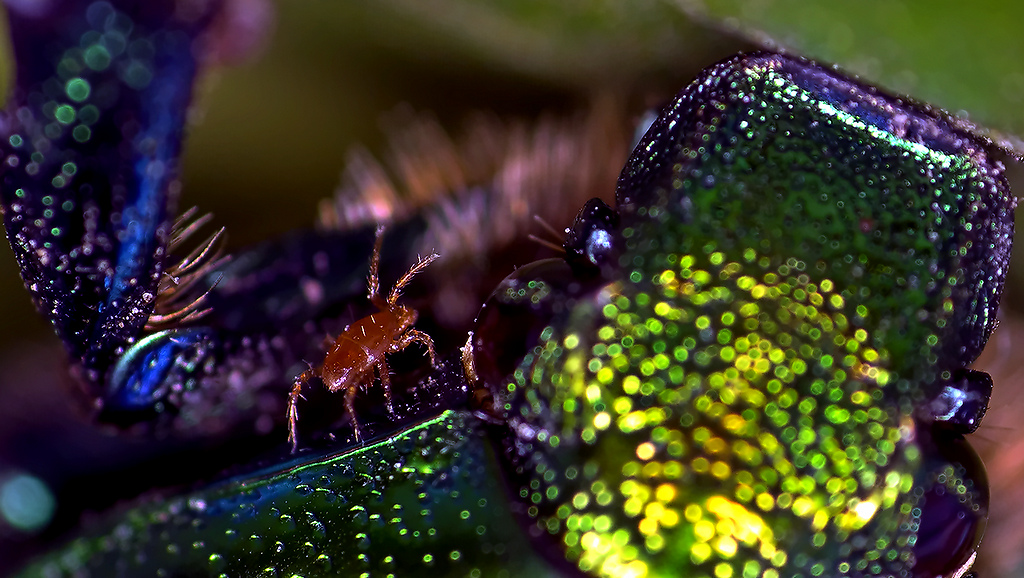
(178, 298)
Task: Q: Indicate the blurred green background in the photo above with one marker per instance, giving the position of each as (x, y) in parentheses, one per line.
(269, 137)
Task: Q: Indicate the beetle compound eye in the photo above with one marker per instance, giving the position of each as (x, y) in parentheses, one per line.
(962, 403)
(593, 239)
(952, 508)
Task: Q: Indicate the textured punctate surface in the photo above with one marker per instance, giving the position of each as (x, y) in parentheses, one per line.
(802, 260)
(91, 159)
(420, 503)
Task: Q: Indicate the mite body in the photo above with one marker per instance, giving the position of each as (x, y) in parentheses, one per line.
(364, 345)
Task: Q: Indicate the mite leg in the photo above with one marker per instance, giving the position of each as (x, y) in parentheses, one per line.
(293, 408)
(415, 336)
(385, 382)
(328, 343)
(374, 281)
(404, 280)
(350, 396)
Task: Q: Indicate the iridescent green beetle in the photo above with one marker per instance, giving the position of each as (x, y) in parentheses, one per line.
(800, 269)
(740, 371)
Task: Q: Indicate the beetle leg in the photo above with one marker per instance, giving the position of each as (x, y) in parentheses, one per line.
(293, 408)
(415, 336)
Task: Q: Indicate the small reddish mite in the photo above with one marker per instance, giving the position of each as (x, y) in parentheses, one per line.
(359, 349)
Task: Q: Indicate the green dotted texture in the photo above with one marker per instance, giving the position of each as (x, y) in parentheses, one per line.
(907, 215)
(803, 262)
(422, 503)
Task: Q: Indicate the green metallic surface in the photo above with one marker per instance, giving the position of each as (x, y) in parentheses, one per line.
(423, 502)
(962, 57)
(737, 401)
(727, 422)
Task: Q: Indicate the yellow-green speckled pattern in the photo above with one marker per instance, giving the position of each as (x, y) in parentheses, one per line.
(800, 262)
(730, 424)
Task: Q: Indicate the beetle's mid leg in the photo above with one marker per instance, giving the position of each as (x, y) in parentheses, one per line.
(293, 408)
(415, 336)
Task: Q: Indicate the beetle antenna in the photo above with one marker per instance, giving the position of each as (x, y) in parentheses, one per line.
(554, 244)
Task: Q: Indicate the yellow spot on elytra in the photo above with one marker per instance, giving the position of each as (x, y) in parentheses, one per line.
(699, 553)
(632, 422)
(819, 521)
(704, 530)
(645, 451)
(726, 546)
(665, 493)
(692, 513)
(866, 510)
(648, 527)
(740, 524)
(803, 506)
